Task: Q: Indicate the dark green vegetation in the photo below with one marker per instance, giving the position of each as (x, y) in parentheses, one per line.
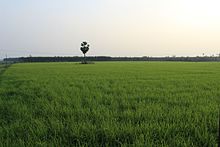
(108, 58)
(112, 104)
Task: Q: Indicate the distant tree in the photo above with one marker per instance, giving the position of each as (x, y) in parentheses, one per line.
(84, 48)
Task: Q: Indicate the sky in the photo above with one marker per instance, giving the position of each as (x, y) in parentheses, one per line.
(112, 27)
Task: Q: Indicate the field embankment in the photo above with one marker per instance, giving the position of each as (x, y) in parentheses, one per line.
(110, 104)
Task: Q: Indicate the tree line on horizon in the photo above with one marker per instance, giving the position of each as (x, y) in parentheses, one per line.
(84, 60)
(108, 58)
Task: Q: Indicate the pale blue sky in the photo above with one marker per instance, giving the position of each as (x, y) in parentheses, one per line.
(112, 27)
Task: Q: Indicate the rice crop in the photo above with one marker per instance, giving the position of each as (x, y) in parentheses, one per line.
(110, 104)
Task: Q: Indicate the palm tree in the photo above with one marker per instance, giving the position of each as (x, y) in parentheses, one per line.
(84, 48)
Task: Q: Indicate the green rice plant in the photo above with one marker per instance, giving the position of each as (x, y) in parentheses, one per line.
(110, 104)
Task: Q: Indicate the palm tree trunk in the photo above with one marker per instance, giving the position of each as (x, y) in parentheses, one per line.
(84, 58)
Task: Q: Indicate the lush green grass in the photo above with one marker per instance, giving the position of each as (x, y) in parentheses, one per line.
(111, 104)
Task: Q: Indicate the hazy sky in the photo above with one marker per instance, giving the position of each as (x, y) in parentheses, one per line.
(112, 27)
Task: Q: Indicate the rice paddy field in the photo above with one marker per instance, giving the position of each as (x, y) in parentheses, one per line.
(110, 104)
